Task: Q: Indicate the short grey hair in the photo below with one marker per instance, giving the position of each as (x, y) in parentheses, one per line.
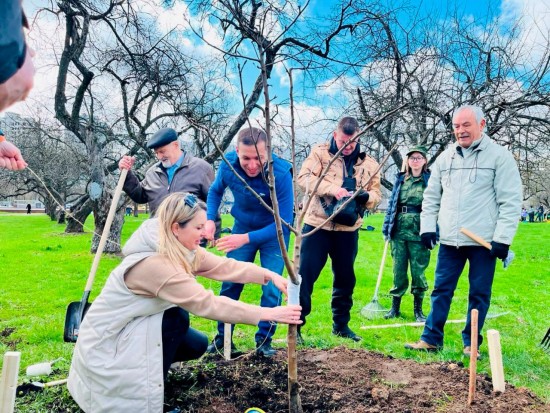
(476, 110)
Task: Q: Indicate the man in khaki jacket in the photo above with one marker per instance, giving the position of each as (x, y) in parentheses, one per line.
(353, 170)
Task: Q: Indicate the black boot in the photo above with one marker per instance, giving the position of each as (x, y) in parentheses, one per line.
(394, 311)
(418, 314)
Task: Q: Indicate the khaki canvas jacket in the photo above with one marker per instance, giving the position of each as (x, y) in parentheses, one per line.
(194, 175)
(313, 168)
(478, 189)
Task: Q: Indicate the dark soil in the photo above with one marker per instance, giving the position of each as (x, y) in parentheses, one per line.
(339, 380)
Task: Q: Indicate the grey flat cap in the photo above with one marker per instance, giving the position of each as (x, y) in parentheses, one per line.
(163, 137)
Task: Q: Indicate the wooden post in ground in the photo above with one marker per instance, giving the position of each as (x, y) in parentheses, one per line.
(473, 356)
(495, 359)
(227, 341)
(8, 383)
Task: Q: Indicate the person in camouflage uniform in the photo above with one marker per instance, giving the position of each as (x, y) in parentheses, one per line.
(402, 227)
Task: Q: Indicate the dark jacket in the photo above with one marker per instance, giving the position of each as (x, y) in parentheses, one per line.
(391, 212)
(194, 175)
(12, 40)
(247, 210)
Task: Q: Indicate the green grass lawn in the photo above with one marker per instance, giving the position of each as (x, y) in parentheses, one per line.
(43, 270)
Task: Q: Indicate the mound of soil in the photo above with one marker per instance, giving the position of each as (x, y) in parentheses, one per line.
(339, 380)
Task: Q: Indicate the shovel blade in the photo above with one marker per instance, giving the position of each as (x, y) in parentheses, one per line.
(73, 319)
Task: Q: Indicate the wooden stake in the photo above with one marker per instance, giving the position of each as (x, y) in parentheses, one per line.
(8, 384)
(495, 358)
(473, 356)
(227, 341)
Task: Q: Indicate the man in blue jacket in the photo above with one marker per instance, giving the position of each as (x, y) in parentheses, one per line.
(254, 228)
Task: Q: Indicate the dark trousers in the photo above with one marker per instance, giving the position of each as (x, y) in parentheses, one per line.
(341, 246)
(450, 263)
(179, 341)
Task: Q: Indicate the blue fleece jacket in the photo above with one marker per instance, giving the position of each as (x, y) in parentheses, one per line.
(248, 212)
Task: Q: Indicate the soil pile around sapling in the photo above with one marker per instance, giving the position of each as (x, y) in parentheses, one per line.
(339, 380)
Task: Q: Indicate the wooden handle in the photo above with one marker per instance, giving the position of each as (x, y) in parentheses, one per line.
(55, 382)
(8, 384)
(106, 229)
(381, 270)
(476, 238)
(473, 355)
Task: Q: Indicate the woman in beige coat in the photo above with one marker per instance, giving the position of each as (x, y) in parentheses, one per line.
(139, 324)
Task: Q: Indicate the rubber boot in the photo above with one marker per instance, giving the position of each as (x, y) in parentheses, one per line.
(394, 311)
(418, 314)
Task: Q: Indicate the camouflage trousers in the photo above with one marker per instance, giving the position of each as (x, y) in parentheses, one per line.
(405, 253)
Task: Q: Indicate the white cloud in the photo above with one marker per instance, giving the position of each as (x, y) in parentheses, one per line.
(533, 17)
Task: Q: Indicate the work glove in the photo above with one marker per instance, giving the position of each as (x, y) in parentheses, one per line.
(429, 240)
(499, 250)
(362, 197)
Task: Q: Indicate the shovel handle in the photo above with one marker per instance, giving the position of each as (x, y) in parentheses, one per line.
(106, 229)
(476, 238)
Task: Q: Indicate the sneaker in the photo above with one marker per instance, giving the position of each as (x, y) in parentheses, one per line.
(346, 332)
(265, 349)
(216, 347)
(421, 345)
(468, 352)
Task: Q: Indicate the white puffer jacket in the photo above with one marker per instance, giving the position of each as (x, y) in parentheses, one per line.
(109, 353)
(478, 189)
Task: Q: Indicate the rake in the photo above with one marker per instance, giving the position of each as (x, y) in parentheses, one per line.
(374, 309)
(545, 343)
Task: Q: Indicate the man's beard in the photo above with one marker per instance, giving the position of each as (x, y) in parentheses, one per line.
(166, 163)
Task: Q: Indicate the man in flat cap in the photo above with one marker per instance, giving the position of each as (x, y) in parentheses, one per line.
(176, 171)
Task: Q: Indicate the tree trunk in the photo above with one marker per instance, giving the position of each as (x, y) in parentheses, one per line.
(79, 213)
(50, 208)
(112, 246)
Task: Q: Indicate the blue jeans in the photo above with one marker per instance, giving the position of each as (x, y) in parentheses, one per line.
(270, 258)
(450, 263)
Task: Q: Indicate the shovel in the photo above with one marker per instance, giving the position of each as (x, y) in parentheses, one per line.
(77, 309)
(374, 309)
(505, 262)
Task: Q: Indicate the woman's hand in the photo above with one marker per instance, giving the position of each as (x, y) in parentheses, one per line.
(280, 282)
(289, 314)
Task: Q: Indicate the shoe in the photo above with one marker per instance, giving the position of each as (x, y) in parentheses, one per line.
(394, 311)
(418, 314)
(421, 345)
(216, 347)
(346, 332)
(265, 349)
(468, 352)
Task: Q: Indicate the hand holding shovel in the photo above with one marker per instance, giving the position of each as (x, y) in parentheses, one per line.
(505, 262)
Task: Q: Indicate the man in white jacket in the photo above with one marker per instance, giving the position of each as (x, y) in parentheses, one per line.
(475, 184)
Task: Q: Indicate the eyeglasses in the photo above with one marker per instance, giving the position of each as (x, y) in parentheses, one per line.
(416, 158)
(190, 200)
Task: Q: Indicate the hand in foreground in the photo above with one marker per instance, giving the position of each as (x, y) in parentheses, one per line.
(499, 250)
(289, 314)
(10, 157)
(17, 87)
(232, 242)
(429, 240)
(126, 162)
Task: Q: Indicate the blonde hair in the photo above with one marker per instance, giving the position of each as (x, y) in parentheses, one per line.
(180, 207)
